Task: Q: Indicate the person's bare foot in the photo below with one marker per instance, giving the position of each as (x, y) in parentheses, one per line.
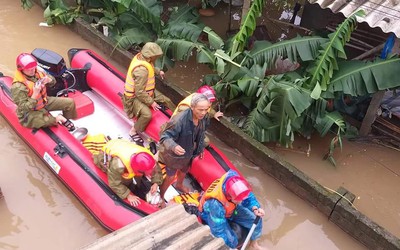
(162, 204)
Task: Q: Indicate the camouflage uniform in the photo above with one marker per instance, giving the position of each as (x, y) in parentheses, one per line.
(114, 174)
(39, 118)
(139, 106)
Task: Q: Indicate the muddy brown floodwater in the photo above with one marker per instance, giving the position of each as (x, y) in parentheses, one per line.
(39, 212)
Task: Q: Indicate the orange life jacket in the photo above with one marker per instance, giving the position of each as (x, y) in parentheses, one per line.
(214, 191)
(39, 74)
(129, 89)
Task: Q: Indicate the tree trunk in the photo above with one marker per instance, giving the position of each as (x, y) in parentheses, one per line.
(245, 9)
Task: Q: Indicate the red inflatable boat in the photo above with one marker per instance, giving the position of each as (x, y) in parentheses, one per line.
(96, 87)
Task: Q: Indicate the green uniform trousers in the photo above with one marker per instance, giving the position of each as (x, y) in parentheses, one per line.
(41, 118)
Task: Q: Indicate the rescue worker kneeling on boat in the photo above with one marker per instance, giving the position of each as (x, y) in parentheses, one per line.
(140, 89)
(126, 164)
(28, 92)
(229, 198)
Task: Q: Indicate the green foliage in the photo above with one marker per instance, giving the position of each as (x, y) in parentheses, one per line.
(184, 25)
(214, 40)
(148, 10)
(57, 12)
(322, 69)
(299, 48)
(248, 26)
(276, 115)
(359, 78)
(26, 4)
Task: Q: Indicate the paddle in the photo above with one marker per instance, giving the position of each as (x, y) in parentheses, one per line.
(256, 220)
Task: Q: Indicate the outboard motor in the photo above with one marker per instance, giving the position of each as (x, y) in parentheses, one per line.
(66, 79)
(50, 61)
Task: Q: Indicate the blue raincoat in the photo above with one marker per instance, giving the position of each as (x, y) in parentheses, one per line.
(214, 216)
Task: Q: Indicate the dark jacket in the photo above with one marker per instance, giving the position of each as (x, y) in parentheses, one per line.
(180, 131)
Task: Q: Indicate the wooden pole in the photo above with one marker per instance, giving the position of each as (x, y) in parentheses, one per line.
(230, 15)
(370, 52)
(370, 116)
(245, 9)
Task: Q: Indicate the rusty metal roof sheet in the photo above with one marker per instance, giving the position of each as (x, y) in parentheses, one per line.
(379, 13)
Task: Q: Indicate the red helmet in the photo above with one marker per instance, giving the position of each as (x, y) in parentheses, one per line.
(237, 188)
(26, 61)
(142, 163)
(208, 92)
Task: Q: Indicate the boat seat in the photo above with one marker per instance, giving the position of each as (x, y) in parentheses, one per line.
(84, 105)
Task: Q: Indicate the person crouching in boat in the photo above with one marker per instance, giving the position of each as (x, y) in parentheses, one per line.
(182, 140)
(139, 92)
(28, 92)
(229, 198)
(126, 164)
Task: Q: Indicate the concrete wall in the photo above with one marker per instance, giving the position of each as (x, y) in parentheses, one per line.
(337, 209)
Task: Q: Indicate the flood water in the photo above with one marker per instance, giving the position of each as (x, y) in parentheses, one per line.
(39, 212)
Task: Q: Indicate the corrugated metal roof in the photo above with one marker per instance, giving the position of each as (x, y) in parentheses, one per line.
(171, 228)
(379, 13)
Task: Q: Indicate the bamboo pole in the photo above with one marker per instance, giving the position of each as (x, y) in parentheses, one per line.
(370, 52)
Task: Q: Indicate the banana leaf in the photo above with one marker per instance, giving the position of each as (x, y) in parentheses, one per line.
(322, 70)
(324, 122)
(278, 111)
(215, 41)
(359, 78)
(305, 48)
(149, 11)
(185, 31)
(183, 24)
(247, 27)
(132, 36)
(184, 14)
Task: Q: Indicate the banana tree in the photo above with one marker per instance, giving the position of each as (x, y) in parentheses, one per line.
(290, 103)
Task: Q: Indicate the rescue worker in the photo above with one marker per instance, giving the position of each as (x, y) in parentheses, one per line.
(126, 164)
(182, 141)
(229, 198)
(28, 92)
(139, 93)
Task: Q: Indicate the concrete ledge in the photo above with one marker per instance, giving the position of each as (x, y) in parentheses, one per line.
(337, 209)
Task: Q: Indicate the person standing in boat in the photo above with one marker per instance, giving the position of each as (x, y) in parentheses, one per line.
(140, 94)
(28, 92)
(209, 92)
(182, 140)
(229, 198)
(126, 165)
